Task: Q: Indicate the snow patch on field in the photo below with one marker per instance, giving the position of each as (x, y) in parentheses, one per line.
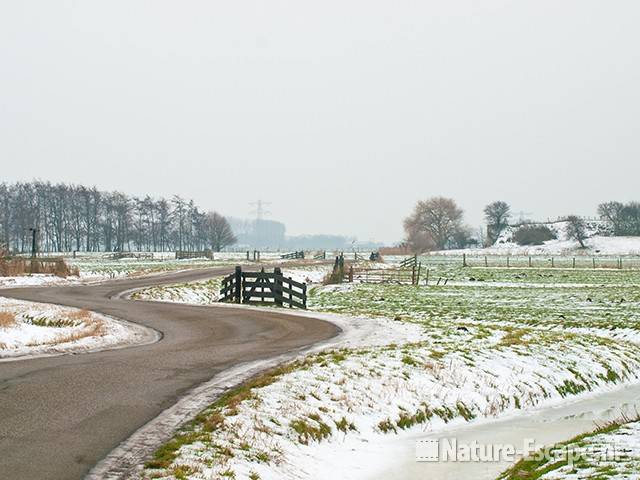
(208, 292)
(28, 328)
(193, 293)
(598, 242)
(338, 403)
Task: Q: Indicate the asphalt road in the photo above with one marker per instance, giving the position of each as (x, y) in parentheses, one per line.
(60, 415)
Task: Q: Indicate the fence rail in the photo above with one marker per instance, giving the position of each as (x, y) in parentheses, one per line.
(293, 255)
(263, 287)
(183, 255)
(409, 262)
(409, 276)
(543, 261)
(138, 255)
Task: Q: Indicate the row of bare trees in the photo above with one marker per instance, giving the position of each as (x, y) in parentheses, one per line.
(437, 223)
(78, 218)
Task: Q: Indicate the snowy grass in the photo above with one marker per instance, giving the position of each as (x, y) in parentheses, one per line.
(207, 292)
(28, 328)
(474, 349)
(196, 293)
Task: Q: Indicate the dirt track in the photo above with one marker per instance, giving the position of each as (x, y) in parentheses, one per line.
(60, 415)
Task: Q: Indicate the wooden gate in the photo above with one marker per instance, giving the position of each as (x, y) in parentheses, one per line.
(263, 288)
(293, 255)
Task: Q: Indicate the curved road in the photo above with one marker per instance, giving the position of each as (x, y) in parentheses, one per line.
(60, 415)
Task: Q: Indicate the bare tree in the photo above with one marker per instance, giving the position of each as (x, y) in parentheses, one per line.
(611, 212)
(437, 219)
(497, 215)
(72, 217)
(576, 229)
(220, 233)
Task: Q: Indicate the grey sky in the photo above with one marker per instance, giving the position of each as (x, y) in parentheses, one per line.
(342, 114)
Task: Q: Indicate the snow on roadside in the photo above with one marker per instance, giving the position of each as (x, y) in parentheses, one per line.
(207, 292)
(312, 274)
(337, 403)
(36, 280)
(29, 328)
(194, 293)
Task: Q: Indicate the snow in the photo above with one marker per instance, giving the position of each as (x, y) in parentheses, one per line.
(387, 380)
(597, 243)
(42, 329)
(613, 454)
(387, 376)
(206, 292)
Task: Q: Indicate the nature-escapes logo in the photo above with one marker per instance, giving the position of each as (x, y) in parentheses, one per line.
(450, 450)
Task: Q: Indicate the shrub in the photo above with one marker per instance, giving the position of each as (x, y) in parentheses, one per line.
(16, 266)
(7, 319)
(533, 235)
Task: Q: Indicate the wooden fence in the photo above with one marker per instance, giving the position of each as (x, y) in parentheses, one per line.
(409, 276)
(137, 256)
(409, 262)
(182, 254)
(320, 255)
(263, 288)
(293, 255)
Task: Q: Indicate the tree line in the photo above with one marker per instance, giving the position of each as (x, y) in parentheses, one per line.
(79, 218)
(437, 224)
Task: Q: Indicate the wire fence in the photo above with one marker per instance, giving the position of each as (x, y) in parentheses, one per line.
(534, 261)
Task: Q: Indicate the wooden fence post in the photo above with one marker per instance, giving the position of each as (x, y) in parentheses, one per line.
(486, 262)
(239, 287)
(278, 285)
(530, 265)
(291, 287)
(552, 262)
(574, 262)
(507, 260)
(427, 279)
(418, 276)
(304, 295)
(594, 262)
(351, 274)
(464, 260)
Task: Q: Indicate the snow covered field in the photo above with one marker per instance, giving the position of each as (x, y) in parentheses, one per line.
(473, 349)
(28, 328)
(598, 243)
(97, 267)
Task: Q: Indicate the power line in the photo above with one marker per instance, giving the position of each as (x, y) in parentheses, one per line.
(260, 212)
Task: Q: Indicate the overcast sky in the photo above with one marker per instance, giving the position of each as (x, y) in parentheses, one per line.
(341, 113)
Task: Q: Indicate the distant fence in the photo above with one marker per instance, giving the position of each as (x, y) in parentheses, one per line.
(320, 255)
(183, 255)
(293, 255)
(137, 256)
(256, 255)
(263, 287)
(543, 261)
(403, 275)
(410, 262)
